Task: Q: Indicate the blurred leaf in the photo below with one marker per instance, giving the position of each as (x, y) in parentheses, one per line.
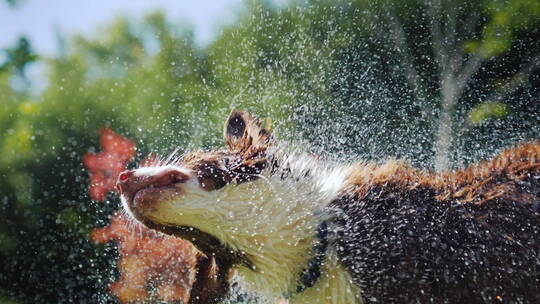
(14, 3)
(8, 244)
(19, 56)
(487, 110)
(471, 46)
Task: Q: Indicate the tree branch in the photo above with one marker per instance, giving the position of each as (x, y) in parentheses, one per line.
(517, 81)
(414, 80)
(450, 32)
(434, 9)
(470, 67)
(470, 23)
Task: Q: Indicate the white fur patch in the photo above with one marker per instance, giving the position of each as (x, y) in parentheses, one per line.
(148, 171)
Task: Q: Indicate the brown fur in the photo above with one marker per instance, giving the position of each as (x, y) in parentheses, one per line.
(478, 183)
(249, 138)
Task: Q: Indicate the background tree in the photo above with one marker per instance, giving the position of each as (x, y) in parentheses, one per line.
(464, 36)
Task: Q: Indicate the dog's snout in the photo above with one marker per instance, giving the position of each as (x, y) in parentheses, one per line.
(128, 182)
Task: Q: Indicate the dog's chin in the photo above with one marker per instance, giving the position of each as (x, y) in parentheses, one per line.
(205, 242)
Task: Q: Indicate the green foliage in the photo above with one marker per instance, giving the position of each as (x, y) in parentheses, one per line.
(507, 18)
(327, 70)
(4, 300)
(13, 2)
(19, 56)
(487, 110)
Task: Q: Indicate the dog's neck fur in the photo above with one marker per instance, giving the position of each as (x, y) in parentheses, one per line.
(292, 197)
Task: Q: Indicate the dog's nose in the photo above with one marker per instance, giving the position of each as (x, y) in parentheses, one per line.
(124, 181)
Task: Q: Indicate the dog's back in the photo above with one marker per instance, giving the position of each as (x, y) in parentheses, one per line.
(469, 236)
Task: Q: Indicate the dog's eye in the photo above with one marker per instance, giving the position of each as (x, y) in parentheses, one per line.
(211, 177)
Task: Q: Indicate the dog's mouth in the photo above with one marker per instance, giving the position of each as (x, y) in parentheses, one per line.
(204, 242)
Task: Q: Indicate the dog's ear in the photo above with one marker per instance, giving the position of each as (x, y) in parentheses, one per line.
(235, 127)
(242, 132)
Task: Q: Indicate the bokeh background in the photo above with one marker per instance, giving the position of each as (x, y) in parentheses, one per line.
(440, 83)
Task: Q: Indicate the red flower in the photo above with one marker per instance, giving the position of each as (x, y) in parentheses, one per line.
(105, 166)
(153, 267)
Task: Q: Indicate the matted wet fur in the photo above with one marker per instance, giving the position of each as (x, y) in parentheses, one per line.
(470, 236)
(395, 234)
